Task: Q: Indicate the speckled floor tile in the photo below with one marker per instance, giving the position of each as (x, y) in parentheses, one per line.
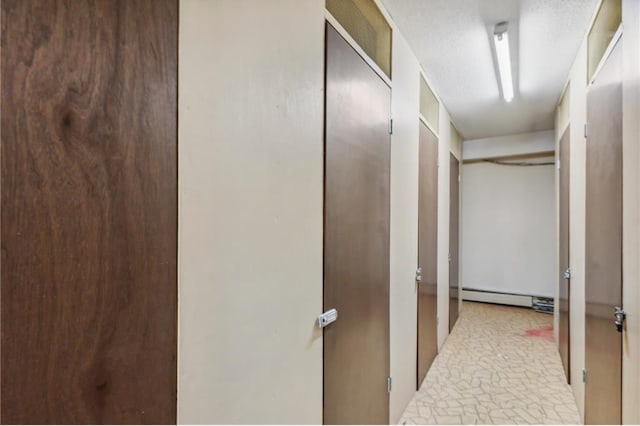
(498, 366)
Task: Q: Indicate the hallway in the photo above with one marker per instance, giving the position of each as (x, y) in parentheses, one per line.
(320, 212)
(498, 366)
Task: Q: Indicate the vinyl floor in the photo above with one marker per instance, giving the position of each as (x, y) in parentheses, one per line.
(498, 366)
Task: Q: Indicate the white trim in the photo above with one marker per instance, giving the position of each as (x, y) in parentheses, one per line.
(343, 32)
(612, 44)
(499, 298)
(426, 123)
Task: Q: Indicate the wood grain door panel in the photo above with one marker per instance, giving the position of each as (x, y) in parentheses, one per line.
(427, 252)
(89, 211)
(454, 202)
(603, 275)
(563, 261)
(356, 242)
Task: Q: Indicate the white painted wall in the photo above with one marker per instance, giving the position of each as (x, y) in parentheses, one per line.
(444, 150)
(250, 219)
(250, 211)
(577, 223)
(502, 146)
(508, 244)
(404, 225)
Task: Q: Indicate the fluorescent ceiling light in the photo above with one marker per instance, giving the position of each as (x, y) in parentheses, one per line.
(501, 41)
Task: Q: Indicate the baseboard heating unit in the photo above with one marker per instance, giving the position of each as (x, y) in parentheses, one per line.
(540, 304)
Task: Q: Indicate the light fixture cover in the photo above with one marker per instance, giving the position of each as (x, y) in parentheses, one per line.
(501, 41)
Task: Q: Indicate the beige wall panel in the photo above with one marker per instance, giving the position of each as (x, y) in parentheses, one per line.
(404, 225)
(562, 117)
(250, 211)
(444, 150)
(631, 212)
(577, 204)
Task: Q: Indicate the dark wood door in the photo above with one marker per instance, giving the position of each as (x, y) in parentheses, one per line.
(563, 261)
(427, 252)
(603, 292)
(89, 211)
(356, 244)
(454, 284)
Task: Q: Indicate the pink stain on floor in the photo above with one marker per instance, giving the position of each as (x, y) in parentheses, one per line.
(544, 333)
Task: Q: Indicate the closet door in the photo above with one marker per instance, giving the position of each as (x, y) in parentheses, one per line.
(603, 274)
(563, 261)
(454, 202)
(427, 252)
(356, 238)
(89, 211)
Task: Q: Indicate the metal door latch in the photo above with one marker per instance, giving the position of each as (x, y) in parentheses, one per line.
(327, 318)
(567, 274)
(620, 315)
(419, 274)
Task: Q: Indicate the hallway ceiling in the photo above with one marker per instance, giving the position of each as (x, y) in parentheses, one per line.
(453, 42)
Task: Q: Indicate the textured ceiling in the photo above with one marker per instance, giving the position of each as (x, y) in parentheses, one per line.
(452, 40)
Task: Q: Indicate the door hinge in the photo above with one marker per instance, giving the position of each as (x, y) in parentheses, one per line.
(389, 384)
(584, 375)
(567, 274)
(558, 164)
(418, 274)
(391, 126)
(459, 178)
(586, 130)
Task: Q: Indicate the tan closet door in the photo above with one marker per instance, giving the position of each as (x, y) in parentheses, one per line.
(454, 203)
(427, 252)
(563, 261)
(356, 245)
(604, 244)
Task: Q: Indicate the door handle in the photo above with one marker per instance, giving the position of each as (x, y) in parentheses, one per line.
(327, 318)
(620, 316)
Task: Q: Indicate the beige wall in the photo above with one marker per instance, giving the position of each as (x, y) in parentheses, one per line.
(444, 149)
(250, 219)
(250, 211)
(404, 225)
(576, 101)
(631, 211)
(577, 205)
